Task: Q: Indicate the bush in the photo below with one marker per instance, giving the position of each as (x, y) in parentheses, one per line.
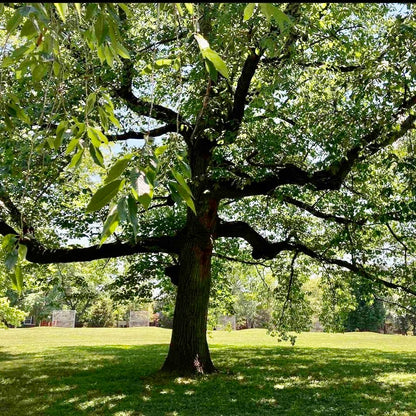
(101, 314)
(9, 315)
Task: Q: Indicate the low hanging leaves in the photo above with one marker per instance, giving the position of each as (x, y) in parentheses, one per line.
(118, 168)
(62, 9)
(212, 56)
(104, 195)
(248, 11)
(110, 224)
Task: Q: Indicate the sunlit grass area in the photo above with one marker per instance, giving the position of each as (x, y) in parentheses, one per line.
(87, 371)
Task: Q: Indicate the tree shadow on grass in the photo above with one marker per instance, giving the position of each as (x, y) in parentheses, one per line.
(123, 381)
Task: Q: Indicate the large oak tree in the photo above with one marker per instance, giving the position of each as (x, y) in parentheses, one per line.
(286, 127)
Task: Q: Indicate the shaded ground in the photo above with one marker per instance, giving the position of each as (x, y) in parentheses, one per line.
(280, 380)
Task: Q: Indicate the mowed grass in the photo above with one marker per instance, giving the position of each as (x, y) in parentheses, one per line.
(88, 371)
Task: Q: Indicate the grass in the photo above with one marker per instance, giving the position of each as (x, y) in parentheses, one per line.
(87, 371)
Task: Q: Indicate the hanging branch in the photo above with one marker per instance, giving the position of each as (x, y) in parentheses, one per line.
(289, 289)
(400, 242)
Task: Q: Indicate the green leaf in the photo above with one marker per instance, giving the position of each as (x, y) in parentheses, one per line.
(248, 11)
(71, 146)
(22, 251)
(39, 71)
(76, 159)
(11, 259)
(282, 19)
(132, 209)
(13, 22)
(218, 62)
(56, 66)
(122, 51)
(96, 136)
(213, 73)
(118, 168)
(103, 118)
(110, 224)
(267, 9)
(100, 29)
(179, 9)
(101, 53)
(90, 102)
(202, 42)
(104, 195)
(9, 240)
(29, 29)
(96, 155)
(92, 134)
(91, 10)
(60, 130)
(181, 180)
(160, 150)
(78, 9)
(144, 190)
(211, 55)
(185, 196)
(190, 8)
(62, 9)
(125, 8)
(19, 278)
(145, 200)
(108, 56)
(122, 209)
(272, 11)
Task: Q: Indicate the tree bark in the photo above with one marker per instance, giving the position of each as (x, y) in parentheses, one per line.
(188, 352)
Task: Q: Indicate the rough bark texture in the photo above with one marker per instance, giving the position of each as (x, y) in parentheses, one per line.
(188, 352)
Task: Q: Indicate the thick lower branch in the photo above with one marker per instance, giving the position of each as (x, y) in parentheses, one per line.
(134, 135)
(39, 254)
(262, 248)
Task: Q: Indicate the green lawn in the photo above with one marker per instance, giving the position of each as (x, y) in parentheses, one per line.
(88, 371)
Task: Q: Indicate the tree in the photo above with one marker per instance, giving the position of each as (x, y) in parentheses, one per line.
(369, 315)
(284, 130)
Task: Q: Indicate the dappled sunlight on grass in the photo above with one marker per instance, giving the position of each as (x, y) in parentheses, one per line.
(253, 380)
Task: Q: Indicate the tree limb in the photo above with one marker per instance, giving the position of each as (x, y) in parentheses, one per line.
(6, 229)
(250, 66)
(262, 248)
(156, 111)
(134, 135)
(319, 214)
(40, 254)
(330, 178)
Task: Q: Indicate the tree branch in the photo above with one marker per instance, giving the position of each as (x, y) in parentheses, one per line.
(319, 214)
(40, 254)
(229, 258)
(6, 229)
(156, 111)
(134, 135)
(250, 66)
(262, 248)
(330, 178)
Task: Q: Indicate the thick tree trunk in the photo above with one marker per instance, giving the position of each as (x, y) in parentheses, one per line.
(189, 353)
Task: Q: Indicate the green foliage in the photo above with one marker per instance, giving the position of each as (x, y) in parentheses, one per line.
(10, 315)
(296, 119)
(101, 313)
(369, 315)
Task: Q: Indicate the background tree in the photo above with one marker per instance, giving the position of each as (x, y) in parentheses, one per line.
(283, 130)
(369, 314)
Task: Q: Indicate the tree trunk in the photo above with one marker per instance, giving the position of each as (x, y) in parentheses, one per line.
(188, 352)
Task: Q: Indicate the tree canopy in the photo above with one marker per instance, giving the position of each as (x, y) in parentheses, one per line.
(259, 132)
